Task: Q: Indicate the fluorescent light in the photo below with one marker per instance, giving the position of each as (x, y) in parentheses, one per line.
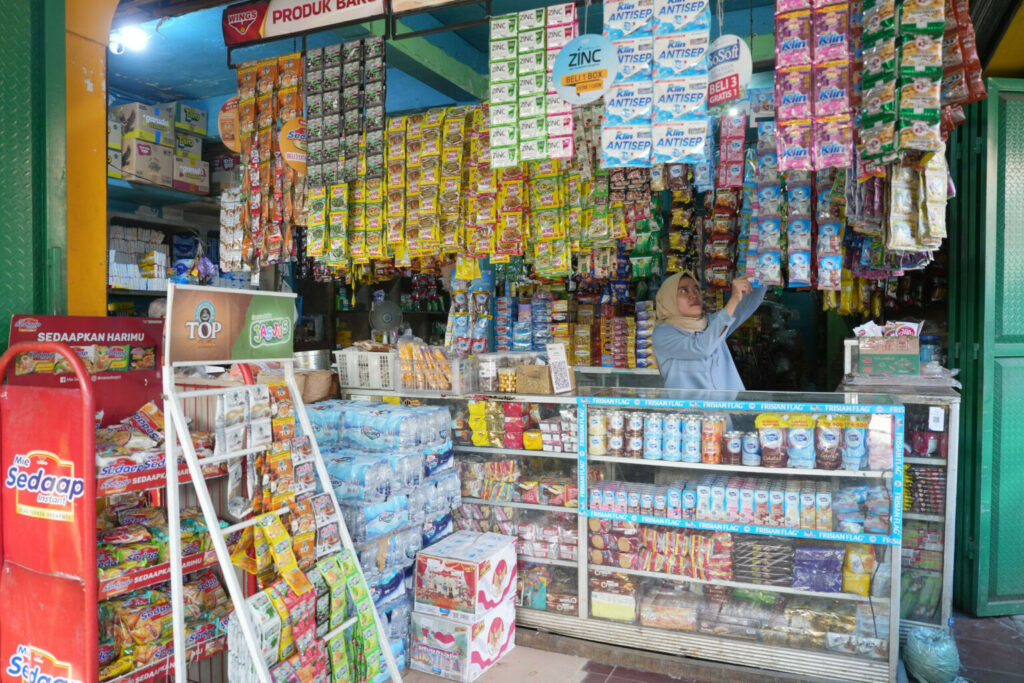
(733, 111)
(128, 38)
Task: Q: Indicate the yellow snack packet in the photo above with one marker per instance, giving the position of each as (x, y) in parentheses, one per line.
(281, 549)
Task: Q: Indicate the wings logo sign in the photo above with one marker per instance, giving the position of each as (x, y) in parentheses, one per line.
(244, 20)
(252, 21)
(244, 23)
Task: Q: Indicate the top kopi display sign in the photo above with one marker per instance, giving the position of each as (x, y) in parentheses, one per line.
(253, 21)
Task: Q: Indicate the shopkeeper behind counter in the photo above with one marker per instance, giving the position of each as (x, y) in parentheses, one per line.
(689, 345)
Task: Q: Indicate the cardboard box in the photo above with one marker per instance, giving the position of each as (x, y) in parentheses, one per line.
(190, 146)
(189, 119)
(191, 175)
(465, 575)
(225, 172)
(145, 162)
(152, 123)
(459, 651)
(114, 163)
(114, 134)
(892, 355)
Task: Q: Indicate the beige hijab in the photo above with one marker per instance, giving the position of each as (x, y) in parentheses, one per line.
(667, 311)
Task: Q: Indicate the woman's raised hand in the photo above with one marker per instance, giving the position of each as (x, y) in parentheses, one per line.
(741, 287)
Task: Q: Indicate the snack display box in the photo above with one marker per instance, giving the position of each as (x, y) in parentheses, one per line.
(466, 575)
(462, 651)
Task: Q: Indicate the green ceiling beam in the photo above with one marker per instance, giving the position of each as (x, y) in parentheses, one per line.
(428, 63)
(762, 48)
(436, 67)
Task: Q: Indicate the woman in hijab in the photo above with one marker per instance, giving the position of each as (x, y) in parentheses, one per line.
(689, 345)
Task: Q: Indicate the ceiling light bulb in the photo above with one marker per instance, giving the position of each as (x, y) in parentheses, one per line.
(134, 38)
(733, 111)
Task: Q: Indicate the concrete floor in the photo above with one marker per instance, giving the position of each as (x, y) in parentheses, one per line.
(991, 651)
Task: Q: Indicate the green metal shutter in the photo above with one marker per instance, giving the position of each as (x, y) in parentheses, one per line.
(987, 324)
(32, 156)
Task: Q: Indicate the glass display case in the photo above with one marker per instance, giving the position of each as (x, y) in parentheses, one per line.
(931, 440)
(642, 520)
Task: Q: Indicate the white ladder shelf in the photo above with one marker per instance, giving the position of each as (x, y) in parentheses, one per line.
(177, 430)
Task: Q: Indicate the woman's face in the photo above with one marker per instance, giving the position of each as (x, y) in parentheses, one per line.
(688, 298)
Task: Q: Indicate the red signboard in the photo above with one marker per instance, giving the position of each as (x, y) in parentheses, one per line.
(724, 90)
(252, 21)
(48, 526)
(124, 355)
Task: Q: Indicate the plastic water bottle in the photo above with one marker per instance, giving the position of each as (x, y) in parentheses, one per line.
(419, 498)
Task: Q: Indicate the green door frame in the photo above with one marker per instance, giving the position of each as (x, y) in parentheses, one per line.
(987, 332)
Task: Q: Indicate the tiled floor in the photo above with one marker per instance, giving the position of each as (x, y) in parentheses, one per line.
(603, 673)
(523, 665)
(991, 650)
(526, 665)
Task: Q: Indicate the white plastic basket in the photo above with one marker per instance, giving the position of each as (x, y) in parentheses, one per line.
(461, 371)
(359, 369)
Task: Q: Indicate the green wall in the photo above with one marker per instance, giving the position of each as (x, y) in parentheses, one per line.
(32, 155)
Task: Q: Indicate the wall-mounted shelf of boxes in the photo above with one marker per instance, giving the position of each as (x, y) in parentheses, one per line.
(160, 145)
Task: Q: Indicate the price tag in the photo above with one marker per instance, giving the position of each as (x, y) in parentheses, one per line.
(561, 381)
(936, 418)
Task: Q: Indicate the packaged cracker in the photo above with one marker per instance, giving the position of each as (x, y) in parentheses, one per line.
(923, 17)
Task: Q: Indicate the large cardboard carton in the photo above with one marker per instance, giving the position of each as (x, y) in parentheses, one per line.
(225, 171)
(114, 134)
(190, 146)
(146, 162)
(189, 119)
(459, 651)
(113, 163)
(191, 175)
(466, 575)
(151, 123)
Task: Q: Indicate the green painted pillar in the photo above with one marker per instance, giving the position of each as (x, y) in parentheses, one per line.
(32, 154)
